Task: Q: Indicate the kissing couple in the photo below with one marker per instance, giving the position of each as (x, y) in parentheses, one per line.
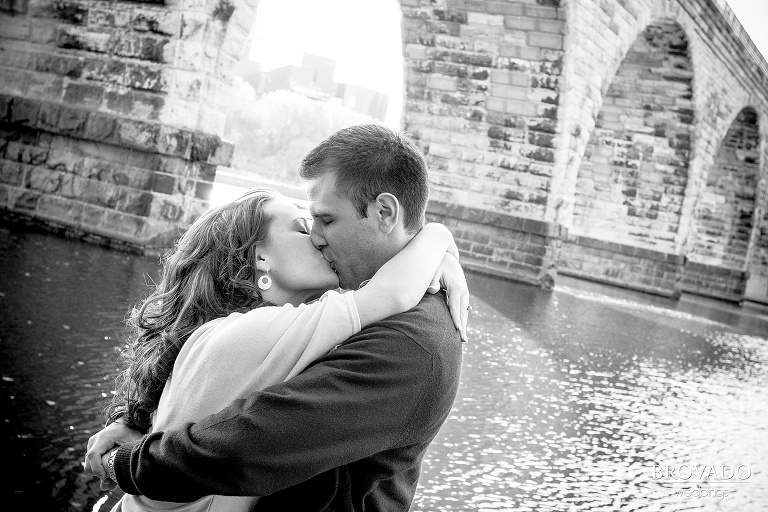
(290, 363)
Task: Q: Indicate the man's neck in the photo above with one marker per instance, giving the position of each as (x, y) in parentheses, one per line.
(394, 244)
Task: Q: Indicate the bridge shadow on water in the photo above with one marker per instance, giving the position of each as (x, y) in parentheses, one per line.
(569, 397)
(580, 318)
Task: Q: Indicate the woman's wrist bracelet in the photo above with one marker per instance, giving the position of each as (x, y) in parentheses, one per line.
(111, 466)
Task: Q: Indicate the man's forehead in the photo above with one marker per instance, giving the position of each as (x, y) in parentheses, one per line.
(324, 206)
(322, 184)
(321, 194)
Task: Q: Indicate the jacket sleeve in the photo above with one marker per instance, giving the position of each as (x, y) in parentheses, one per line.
(355, 401)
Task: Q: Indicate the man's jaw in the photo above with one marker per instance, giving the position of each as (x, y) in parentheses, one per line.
(346, 280)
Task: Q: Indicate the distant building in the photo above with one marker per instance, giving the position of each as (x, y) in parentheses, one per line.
(314, 79)
(362, 99)
(250, 71)
(323, 69)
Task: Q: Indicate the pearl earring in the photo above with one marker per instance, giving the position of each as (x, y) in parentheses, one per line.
(264, 282)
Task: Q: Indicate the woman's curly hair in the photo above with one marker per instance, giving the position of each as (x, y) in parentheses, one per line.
(209, 274)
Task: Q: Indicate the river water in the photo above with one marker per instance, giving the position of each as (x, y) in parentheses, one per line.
(584, 398)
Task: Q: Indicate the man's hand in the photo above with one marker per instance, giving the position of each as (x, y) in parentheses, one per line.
(101, 443)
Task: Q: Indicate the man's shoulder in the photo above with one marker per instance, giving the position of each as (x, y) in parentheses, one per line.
(433, 308)
(428, 324)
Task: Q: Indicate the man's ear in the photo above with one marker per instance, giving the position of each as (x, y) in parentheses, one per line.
(386, 211)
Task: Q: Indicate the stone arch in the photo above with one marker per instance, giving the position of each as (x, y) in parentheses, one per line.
(724, 235)
(723, 220)
(482, 88)
(303, 65)
(632, 181)
(756, 287)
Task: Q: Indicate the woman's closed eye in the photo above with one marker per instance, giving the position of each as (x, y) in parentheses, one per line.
(303, 226)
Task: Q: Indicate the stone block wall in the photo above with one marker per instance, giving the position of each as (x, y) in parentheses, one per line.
(482, 93)
(110, 112)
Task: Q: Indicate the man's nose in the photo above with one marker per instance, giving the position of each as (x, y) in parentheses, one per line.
(317, 238)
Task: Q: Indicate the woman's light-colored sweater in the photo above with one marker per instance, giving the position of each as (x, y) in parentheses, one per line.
(229, 358)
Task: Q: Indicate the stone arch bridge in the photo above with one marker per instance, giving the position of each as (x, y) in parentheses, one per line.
(617, 140)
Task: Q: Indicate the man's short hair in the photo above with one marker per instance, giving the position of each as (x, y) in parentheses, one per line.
(371, 159)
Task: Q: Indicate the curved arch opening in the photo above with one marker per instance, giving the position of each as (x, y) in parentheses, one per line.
(308, 70)
(723, 219)
(632, 180)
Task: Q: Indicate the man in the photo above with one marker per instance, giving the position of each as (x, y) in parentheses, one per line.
(350, 431)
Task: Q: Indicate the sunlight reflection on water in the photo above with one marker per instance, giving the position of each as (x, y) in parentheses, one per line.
(570, 404)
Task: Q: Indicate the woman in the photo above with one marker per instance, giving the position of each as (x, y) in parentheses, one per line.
(233, 314)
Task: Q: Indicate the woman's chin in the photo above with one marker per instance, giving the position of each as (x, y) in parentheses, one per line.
(320, 291)
(333, 281)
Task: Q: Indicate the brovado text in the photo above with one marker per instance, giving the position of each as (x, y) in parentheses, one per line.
(702, 472)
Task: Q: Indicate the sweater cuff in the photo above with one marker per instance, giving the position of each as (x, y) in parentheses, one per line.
(123, 469)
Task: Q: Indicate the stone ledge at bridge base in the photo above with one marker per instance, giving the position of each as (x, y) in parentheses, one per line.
(627, 285)
(90, 223)
(23, 222)
(501, 245)
(646, 270)
(630, 267)
(760, 308)
(713, 281)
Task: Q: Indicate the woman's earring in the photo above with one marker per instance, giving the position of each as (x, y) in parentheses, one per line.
(264, 282)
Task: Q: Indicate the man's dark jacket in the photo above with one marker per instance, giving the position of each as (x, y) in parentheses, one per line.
(348, 433)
